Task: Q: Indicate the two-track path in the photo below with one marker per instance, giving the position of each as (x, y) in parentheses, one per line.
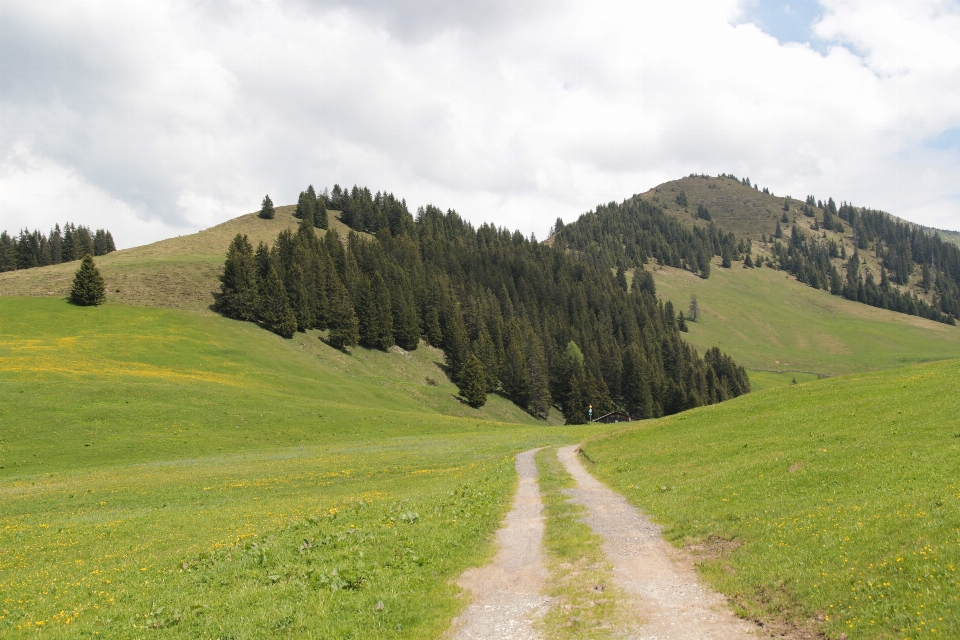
(507, 592)
(663, 590)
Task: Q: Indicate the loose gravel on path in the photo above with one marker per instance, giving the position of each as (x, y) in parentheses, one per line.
(507, 592)
(665, 590)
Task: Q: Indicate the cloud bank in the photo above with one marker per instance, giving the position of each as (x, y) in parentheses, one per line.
(161, 118)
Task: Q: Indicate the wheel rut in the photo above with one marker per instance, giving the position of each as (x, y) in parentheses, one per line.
(507, 596)
(665, 591)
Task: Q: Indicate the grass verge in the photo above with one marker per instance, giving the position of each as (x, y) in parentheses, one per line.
(832, 505)
(586, 603)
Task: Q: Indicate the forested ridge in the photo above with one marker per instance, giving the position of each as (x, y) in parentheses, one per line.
(544, 325)
(625, 235)
(901, 248)
(34, 249)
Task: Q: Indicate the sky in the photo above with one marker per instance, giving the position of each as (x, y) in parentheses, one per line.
(154, 119)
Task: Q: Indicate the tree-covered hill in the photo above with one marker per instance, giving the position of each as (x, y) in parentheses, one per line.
(862, 254)
(539, 323)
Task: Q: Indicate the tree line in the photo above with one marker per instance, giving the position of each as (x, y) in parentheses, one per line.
(629, 233)
(34, 249)
(533, 321)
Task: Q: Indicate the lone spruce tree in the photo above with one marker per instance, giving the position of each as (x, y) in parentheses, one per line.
(88, 288)
(266, 208)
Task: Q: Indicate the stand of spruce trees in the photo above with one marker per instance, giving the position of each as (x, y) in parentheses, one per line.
(540, 324)
(34, 249)
(808, 259)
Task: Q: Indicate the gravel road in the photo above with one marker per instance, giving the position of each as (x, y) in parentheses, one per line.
(664, 589)
(506, 593)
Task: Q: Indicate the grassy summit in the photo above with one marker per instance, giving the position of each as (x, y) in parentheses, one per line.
(831, 505)
(178, 273)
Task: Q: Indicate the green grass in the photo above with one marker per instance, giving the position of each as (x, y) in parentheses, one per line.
(769, 323)
(162, 469)
(585, 600)
(833, 503)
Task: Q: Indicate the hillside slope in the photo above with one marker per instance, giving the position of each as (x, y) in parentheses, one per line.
(772, 323)
(178, 273)
(830, 506)
(162, 469)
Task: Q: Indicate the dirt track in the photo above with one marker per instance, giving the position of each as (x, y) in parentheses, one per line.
(665, 591)
(506, 592)
(662, 588)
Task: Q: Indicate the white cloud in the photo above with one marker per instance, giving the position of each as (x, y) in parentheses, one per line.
(182, 115)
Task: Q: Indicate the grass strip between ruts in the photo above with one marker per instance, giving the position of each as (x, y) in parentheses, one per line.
(585, 602)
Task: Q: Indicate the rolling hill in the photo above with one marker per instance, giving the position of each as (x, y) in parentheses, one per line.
(162, 469)
(178, 273)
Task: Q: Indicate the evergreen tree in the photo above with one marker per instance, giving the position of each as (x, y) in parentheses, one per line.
(539, 399)
(682, 199)
(305, 208)
(239, 291)
(342, 319)
(693, 312)
(622, 278)
(779, 231)
(376, 317)
(472, 383)
(486, 351)
(748, 262)
(298, 296)
(682, 322)
(275, 312)
(84, 241)
(88, 287)
(69, 248)
(267, 212)
(8, 253)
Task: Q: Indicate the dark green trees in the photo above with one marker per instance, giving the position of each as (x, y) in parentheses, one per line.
(550, 326)
(88, 287)
(33, 249)
(267, 211)
(312, 208)
(275, 311)
(472, 383)
(341, 320)
(376, 316)
(682, 199)
(239, 292)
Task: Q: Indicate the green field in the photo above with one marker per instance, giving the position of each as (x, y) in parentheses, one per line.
(832, 505)
(781, 329)
(161, 469)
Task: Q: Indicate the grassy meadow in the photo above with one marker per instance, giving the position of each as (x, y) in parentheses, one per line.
(191, 476)
(781, 329)
(831, 506)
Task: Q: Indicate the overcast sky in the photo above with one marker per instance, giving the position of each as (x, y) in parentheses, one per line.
(157, 118)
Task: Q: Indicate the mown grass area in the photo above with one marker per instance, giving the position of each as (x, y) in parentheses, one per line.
(833, 504)
(586, 604)
(177, 273)
(201, 477)
(769, 322)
